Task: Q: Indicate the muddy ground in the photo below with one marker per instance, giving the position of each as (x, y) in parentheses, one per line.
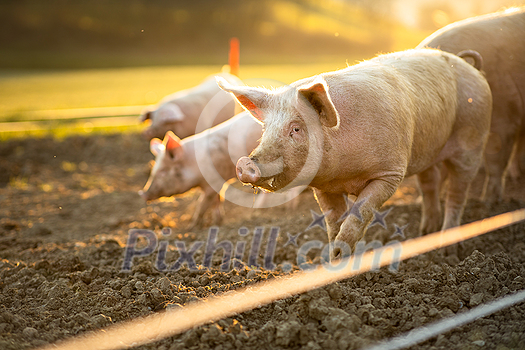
(66, 209)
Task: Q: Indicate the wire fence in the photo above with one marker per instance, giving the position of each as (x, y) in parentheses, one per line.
(95, 117)
(152, 328)
(421, 334)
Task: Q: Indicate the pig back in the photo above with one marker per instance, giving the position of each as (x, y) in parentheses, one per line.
(499, 38)
(396, 112)
(193, 103)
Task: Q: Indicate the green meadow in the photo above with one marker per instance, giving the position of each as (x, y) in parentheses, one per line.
(22, 91)
(60, 101)
(90, 66)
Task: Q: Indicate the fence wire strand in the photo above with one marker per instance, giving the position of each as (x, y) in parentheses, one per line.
(158, 326)
(421, 334)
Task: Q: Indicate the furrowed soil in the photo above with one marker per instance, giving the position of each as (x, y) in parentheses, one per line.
(67, 207)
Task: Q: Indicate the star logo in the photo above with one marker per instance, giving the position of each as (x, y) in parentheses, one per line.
(379, 218)
(352, 208)
(349, 205)
(292, 239)
(399, 231)
(318, 220)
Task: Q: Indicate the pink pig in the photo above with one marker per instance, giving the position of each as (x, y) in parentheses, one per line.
(361, 130)
(499, 38)
(180, 112)
(181, 165)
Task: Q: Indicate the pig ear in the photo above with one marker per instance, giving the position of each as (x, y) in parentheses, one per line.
(317, 95)
(170, 113)
(156, 146)
(251, 99)
(172, 143)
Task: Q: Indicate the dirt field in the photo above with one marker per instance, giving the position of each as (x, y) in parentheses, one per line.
(66, 209)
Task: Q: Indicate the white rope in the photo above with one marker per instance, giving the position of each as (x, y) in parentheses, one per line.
(426, 332)
(161, 325)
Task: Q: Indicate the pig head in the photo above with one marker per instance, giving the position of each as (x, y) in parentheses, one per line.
(359, 131)
(291, 146)
(201, 161)
(173, 171)
(168, 116)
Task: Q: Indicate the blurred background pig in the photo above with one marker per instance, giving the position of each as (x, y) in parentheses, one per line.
(180, 112)
(180, 164)
(359, 131)
(500, 39)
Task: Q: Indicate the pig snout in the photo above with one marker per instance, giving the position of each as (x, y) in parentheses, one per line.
(147, 134)
(248, 171)
(144, 195)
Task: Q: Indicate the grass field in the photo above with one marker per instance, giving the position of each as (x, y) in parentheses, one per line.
(34, 102)
(22, 92)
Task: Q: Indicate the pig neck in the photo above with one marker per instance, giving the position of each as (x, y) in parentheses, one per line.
(193, 100)
(347, 167)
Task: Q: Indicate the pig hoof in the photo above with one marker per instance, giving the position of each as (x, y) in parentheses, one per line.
(492, 199)
(217, 220)
(429, 226)
(197, 224)
(335, 254)
(143, 195)
(493, 191)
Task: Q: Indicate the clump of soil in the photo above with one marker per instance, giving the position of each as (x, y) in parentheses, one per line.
(67, 210)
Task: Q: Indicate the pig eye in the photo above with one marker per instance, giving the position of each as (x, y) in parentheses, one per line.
(295, 130)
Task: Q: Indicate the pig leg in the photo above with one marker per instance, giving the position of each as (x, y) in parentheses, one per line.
(371, 198)
(460, 178)
(506, 115)
(462, 171)
(515, 166)
(333, 205)
(495, 164)
(218, 211)
(429, 184)
(206, 200)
